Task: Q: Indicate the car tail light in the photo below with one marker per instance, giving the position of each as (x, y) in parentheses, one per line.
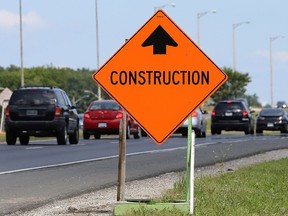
(194, 114)
(245, 113)
(86, 115)
(119, 115)
(57, 111)
(213, 113)
(7, 112)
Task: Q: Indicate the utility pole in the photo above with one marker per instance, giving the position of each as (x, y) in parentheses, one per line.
(21, 44)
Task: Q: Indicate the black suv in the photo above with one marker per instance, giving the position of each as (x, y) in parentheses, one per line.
(41, 112)
(232, 115)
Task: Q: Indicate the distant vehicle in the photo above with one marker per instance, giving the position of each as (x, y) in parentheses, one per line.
(232, 115)
(41, 112)
(199, 123)
(103, 117)
(281, 104)
(272, 119)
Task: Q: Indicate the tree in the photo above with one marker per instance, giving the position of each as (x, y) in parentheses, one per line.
(74, 82)
(253, 100)
(234, 87)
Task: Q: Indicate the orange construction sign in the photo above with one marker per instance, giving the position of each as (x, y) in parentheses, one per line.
(159, 76)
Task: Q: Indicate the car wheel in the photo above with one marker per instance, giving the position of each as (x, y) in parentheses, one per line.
(74, 137)
(213, 132)
(259, 131)
(97, 136)
(285, 130)
(218, 132)
(10, 138)
(128, 132)
(203, 134)
(62, 136)
(137, 134)
(247, 131)
(86, 136)
(185, 133)
(143, 133)
(198, 133)
(24, 140)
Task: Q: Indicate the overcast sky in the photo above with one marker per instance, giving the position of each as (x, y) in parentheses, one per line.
(63, 33)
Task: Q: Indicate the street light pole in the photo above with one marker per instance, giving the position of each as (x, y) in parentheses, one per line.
(163, 6)
(21, 44)
(97, 45)
(199, 15)
(271, 67)
(234, 43)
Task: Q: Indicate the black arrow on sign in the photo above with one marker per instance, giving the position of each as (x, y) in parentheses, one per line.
(159, 39)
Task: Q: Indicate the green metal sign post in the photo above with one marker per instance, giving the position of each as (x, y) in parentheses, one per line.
(186, 206)
(190, 166)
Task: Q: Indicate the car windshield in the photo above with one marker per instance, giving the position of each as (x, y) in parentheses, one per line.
(272, 112)
(229, 106)
(32, 97)
(105, 106)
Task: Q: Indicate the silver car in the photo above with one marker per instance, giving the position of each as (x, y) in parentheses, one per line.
(199, 120)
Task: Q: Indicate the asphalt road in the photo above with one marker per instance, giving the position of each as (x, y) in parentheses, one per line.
(43, 171)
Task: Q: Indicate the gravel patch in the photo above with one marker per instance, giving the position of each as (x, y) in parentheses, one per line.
(101, 202)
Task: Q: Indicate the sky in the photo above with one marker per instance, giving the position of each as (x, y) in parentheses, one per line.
(62, 33)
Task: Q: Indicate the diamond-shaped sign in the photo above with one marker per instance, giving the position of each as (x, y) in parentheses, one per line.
(159, 76)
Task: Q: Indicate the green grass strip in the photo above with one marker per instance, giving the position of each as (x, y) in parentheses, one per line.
(258, 190)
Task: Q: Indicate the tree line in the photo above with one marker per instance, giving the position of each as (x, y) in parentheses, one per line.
(74, 82)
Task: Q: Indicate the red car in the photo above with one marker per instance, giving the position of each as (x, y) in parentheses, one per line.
(103, 117)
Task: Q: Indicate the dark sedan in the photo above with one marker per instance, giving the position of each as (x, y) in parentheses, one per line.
(272, 119)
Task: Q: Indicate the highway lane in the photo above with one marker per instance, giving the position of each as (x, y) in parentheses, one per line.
(43, 171)
(48, 153)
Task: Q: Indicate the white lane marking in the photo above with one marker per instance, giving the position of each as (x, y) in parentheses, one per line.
(89, 160)
(237, 141)
(55, 165)
(41, 147)
(205, 144)
(31, 148)
(108, 157)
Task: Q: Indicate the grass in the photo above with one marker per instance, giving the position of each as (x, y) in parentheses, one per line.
(2, 138)
(258, 190)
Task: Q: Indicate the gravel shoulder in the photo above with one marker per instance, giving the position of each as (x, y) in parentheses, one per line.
(101, 202)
